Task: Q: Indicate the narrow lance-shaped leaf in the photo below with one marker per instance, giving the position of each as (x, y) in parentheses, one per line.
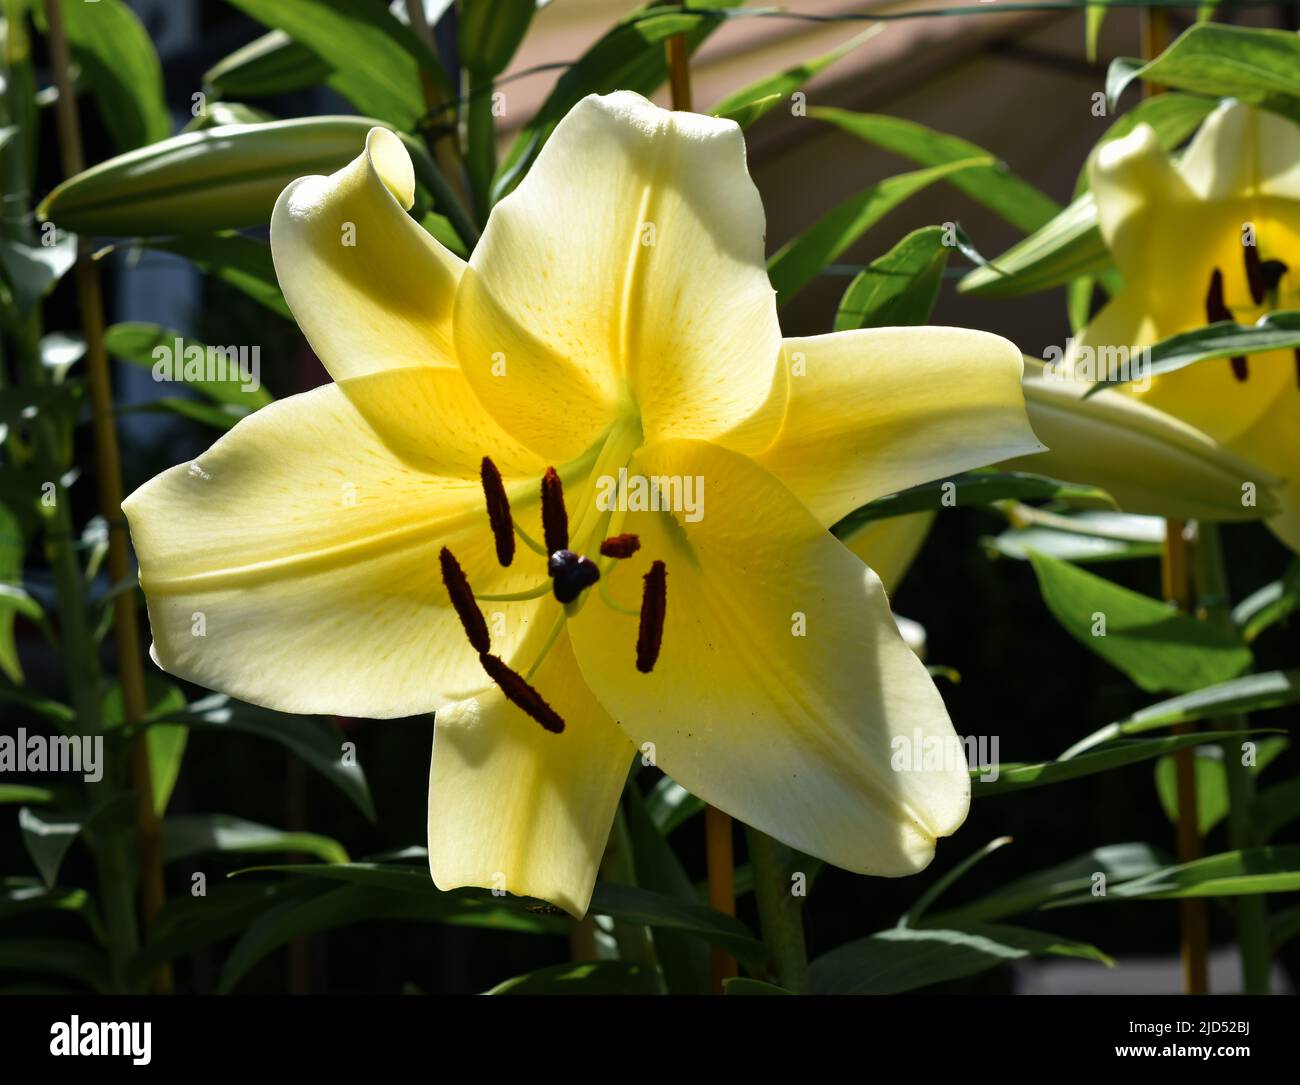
(379, 63)
(1157, 647)
(1239, 696)
(1279, 330)
(746, 105)
(1260, 67)
(1013, 776)
(119, 65)
(796, 263)
(899, 288)
(992, 185)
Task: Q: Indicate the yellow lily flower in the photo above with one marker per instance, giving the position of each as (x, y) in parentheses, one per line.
(350, 549)
(1215, 236)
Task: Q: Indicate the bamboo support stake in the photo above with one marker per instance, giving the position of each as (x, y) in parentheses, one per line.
(1176, 581)
(135, 701)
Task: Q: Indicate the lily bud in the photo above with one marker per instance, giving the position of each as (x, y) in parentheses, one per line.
(222, 178)
(1149, 461)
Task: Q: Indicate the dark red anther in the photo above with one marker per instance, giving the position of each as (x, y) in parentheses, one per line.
(453, 576)
(1216, 309)
(654, 600)
(555, 521)
(519, 693)
(498, 510)
(1255, 274)
(620, 546)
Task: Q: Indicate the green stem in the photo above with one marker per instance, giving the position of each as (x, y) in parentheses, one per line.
(1252, 915)
(779, 911)
(481, 137)
(634, 941)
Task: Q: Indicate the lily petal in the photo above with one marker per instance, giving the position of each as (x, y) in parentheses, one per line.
(1240, 150)
(782, 680)
(369, 288)
(625, 273)
(889, 546)
(877, 410)
(294, 564)
(514, 807)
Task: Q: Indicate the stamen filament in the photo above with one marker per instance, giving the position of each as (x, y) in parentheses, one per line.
(608, 599)
(530, 542)
(550, 643)
(518, 596)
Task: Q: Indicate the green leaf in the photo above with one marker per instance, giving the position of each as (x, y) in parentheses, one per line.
(272, 64)
(19, 896)
(47, 837)
(464, 907)
(221, 417)
(1273, 603)
(238, 261)
(338, 907)
(32, 271)
(1283, 926)
(119, 65)
(166, 742)
(1228, 874)
(684, 961)
(489, 31)
(1117, 862)
(799, 260)
(990, 184)
(378, 62)
(914, 914)
(583, 978)
(1239, 696)
(899, 288)
(59, 957)
(1276, 807)
(166, 752)
(1068, 246)
(1279, 330)
(1259, 67)
(188, 923)
(749, 103)
(974, 488)
(670, 805)
(15, 793)
(1211, 780)
(630, 56)
(315, 740)
(1019, 776)
(13, 599)
(198, 834)
(905, 959)
(216, 374)
(634, 905)
(1157, 647)
(1020, 542)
